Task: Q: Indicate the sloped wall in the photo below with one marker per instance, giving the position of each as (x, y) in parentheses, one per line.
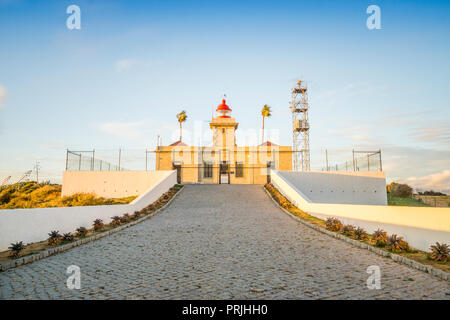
(340, 187)
(110, 184)
(420, 226)
(32, 225)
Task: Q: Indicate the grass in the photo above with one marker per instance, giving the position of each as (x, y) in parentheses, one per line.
(434, 201)
(409, 202)
(44, 195)
(416, 255)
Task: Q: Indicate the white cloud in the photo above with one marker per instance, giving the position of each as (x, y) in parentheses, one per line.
(2, 95)
(124, 64)
(437, 181)
(122, 130)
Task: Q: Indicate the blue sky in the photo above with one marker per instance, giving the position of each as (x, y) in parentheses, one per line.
(120, 80)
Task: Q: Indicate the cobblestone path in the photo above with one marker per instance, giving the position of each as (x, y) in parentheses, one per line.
(219, 242)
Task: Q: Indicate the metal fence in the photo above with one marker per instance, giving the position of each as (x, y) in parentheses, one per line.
(360, 161)
(87, 161)
(141, 159)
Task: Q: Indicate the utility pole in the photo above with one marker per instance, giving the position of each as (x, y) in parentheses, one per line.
(37, 167)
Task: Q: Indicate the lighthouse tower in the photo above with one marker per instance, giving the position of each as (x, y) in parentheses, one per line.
(223, 127)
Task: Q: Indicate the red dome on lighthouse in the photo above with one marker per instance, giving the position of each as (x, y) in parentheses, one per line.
(223, 110)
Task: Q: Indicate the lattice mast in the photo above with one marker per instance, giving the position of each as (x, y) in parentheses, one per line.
(300, 127)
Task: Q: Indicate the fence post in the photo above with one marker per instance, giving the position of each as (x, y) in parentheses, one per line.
(381, 164)
(120, 152)
(326, 156)
(368, 163)
(354, 165)
(79, 163)
(146, 159)
(67, 157)
(93, 160)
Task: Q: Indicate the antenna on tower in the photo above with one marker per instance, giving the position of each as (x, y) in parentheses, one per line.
(300, 126)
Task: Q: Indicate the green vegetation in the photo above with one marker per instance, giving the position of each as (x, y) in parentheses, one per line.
(43, 195)
(16, 248)
(398, 201)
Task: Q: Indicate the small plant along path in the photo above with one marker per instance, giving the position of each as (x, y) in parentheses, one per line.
(219, 242)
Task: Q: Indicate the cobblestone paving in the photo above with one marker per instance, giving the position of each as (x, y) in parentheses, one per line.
(219, 242)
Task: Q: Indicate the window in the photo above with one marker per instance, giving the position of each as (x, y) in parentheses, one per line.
(208, 170)
(239, 170)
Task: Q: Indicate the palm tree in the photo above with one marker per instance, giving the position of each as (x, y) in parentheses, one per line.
(266, 112)
(182, 117)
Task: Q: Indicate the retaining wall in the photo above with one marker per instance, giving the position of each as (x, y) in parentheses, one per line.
(420, 226)
(32, 225)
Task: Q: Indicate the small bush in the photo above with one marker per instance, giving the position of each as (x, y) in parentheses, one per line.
(380, 238)
(397, 244)
(16, 248)
(401, 190)
(348, 230)
(333, 224)
(54, 238)
(136, 215)
(116, 221)
(360, 234)
(440, 252)
(68, 237)
(98, 224)
(125, 218)
(81, 232)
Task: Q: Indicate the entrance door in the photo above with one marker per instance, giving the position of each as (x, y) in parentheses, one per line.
(178, 168)
(224, 173)
(269, 165)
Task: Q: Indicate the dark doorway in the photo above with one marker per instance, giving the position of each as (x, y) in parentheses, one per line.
(269, 166)
(178, 168)
(224, 177)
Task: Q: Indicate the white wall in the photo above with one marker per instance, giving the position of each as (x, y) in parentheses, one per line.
(110, 184)
(340, 187)
(420, 226)
(32, 225)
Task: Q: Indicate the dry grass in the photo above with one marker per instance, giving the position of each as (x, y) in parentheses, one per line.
(434, 201)
(43, 195)
(413, 254)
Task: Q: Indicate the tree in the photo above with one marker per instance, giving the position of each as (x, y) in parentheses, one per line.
(401, 190)
(265, 112)
(182, 117)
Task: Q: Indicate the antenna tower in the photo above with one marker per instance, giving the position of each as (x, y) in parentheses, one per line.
(300, 126)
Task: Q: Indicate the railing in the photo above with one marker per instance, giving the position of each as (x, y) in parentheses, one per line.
(86, 161)
(367, 161)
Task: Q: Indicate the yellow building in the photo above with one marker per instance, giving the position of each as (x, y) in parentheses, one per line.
(224, 161)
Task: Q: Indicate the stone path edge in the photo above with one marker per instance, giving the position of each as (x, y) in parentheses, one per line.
(397, 258)
(49, 252)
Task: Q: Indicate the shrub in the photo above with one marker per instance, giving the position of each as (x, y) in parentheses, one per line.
(54, 238)
(116, 221)
(440, 252)
(68, 237)
(98, 224)
(380, 237)
(360, 234)
(81, 232)
(401, 190)
(16, 248)
(333, 224)
(125, 218)
(348, 230)
(136, 215)
(397, 244)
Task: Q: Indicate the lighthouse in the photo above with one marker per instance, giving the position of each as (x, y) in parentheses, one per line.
(223, 127)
